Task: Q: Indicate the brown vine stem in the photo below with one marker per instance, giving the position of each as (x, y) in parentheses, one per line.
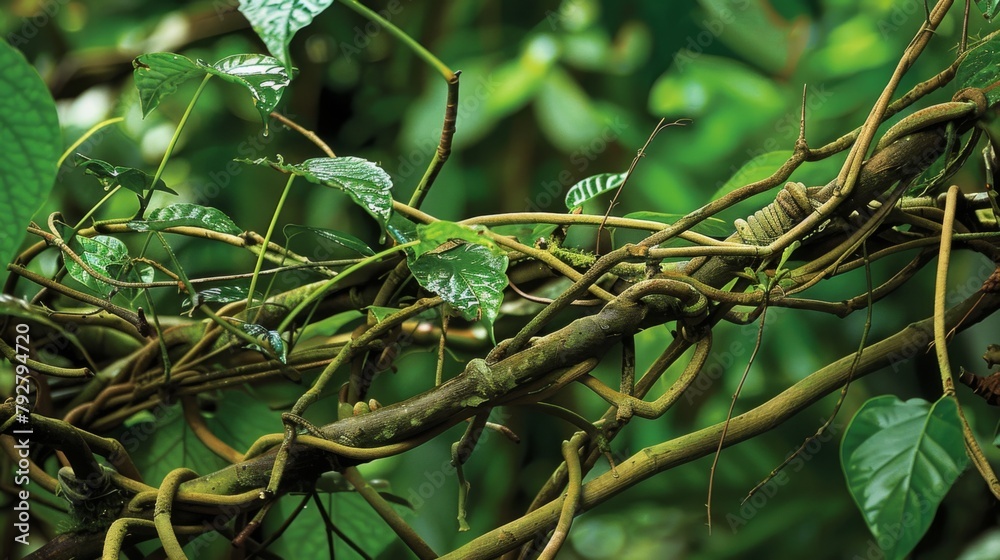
(972, 448)
(852, 167)
(310, 135)
(664, 456)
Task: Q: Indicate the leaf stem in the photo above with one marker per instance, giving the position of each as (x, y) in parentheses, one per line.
(267, 240)
(414, 46)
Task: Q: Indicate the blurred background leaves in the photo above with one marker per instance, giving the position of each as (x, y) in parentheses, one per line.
(551, 93)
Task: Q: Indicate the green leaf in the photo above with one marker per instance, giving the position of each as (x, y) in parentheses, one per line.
(277, 21)
(381, 313)
(307, 536)
(432, 236)
(989, 8)
(221, 294)
(185, 214)
(264, 77)
(271, 340)
(593, 186)
(99, 253)
(337, 237)
(365, 182)
(900, 459)
(110, 176)
(470, 277)
(31, 142)
(158, 75)
(980, 68)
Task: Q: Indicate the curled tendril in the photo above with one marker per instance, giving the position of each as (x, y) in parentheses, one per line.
(792, 204)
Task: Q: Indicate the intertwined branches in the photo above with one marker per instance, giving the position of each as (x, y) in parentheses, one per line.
(148, 360)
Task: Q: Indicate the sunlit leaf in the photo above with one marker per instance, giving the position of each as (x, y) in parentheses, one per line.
(336, 237)
(593, 186)
(186, 214)
(470, 277)
(900, 459)
(158, 75)
(277, 21)
(365, 182)
(758, 168)
(264, 77)
(31, 142)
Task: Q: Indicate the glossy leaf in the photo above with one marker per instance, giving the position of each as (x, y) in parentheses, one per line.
(31, 142)
(437, 234)
(186, 214)
(99, 253)
(277, 21)
(980, 69)
(111, 176)
(264, 77)
(593, 186)
(470, 277)
(158, 75)
(365, 182)
(900, 459)
(328, 235)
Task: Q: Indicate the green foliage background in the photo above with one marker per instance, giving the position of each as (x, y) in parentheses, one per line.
(551, 93)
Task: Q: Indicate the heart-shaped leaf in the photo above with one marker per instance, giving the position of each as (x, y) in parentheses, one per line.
(186, 214)
(593, 186)
(158, 75)
(365, 182)
(31, 142)
(900, 459)
(110, 176)
(468, 276)
(264, 77)
(277, 21)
